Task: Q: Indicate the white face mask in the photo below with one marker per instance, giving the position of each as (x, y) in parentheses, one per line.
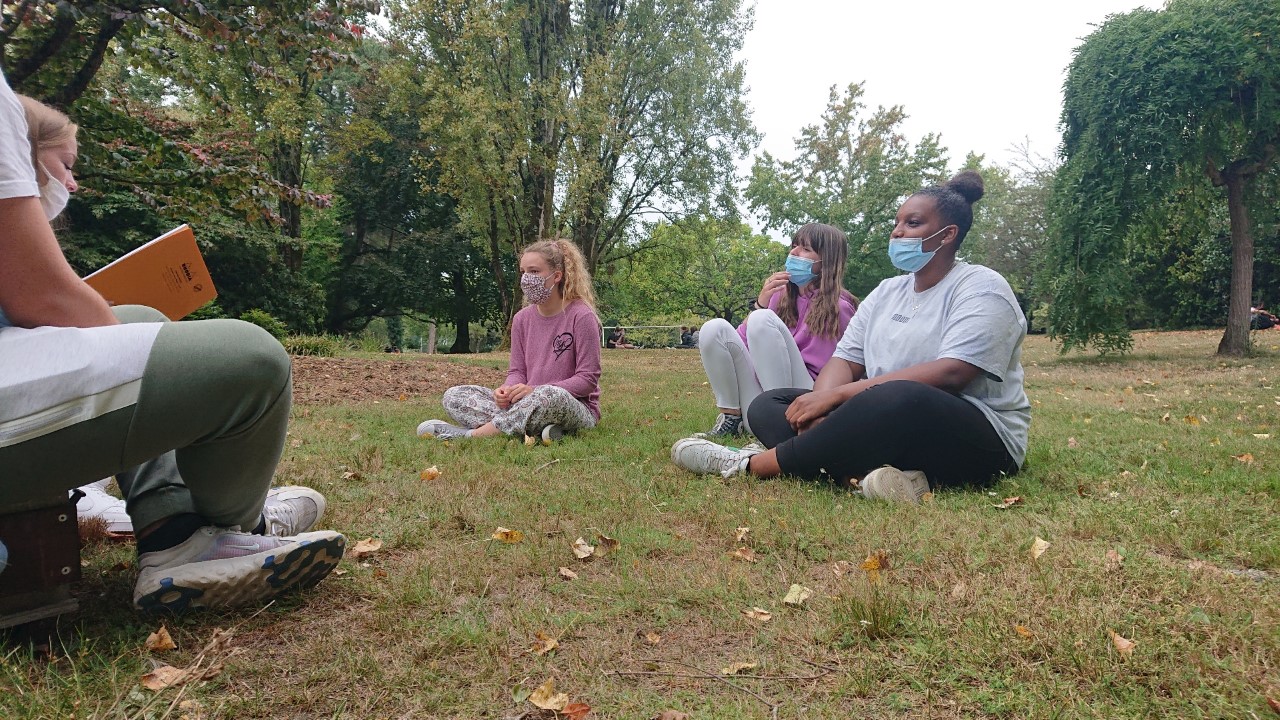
(53, 194)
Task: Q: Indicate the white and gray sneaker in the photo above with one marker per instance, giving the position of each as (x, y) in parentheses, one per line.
(552, 433)
(98, 503)
(440, 429)
(291, 509)
(704, 457)
(890, 483)
(223, 567)
(726, 426)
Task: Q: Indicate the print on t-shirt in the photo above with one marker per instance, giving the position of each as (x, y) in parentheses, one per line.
(563, 342)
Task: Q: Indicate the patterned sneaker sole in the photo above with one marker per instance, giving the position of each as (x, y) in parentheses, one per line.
(301, 566)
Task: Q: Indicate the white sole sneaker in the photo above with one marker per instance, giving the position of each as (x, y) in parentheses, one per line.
(292, 510)
(219, 567)
(440, 429)
(551, 433)
(97, 503)
(698, 455)
(890, 483)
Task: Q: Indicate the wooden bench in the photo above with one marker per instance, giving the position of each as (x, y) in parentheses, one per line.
(42, 541)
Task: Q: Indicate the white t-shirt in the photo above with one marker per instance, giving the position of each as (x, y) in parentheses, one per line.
(971, 315)
(54, 377)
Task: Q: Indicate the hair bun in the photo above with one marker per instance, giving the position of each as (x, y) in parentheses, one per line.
(968, 184)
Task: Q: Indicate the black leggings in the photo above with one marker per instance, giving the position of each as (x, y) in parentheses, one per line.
(909, 425)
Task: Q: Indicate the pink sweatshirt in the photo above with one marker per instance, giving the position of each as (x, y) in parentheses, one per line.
(561, 350)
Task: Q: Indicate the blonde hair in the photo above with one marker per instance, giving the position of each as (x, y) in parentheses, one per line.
(823, 316)
(564, 255)
(46, 128)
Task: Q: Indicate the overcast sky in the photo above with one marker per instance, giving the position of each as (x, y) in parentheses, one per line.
(984, 74)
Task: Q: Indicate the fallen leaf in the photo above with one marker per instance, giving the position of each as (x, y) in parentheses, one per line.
(1080, 491)
(350, 475)
(166, 676)
(1246, 458)
(607, 544)
(652, 638)
(1191, 420)
(583, 549)
(741, 535)
(796, 595)
(926, 498)
(958, 591)
(1114, 560)
(510, 537)
(842, 568)
(547, 698)
(736, 668)
(1124, 646)
(1024, 632)
(1164, 418)
(430, 473)
(744, 554)
(530, 441)
(402, 397)
(364, 547)
(759, 614)
(543, 643)
(1009, 502)
(1274, 704)
(575, 711)
(1262, 436)
(671, 714)
(568, 574)
(160, 641)
(873, 565)
(1038, 547)
(1073, 443)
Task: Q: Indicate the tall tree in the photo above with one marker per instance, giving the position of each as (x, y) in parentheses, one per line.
(851, 170)
(1158, 106)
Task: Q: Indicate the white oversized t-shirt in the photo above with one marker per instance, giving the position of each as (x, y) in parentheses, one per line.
(54, 377)
(971, 315)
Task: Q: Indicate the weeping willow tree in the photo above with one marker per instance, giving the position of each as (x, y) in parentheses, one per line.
(1158, 106)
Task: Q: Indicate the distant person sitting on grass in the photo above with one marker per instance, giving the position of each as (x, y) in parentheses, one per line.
(925, 386)
(617, 339)
(802, 312)
(1260, 319)
(553, 382)
(191, 416)
(686, 337)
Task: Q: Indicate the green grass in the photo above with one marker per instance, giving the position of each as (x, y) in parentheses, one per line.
(439, 622)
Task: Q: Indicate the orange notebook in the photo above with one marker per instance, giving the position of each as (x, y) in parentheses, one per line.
(167, 274)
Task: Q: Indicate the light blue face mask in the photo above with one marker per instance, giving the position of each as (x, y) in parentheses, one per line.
(800, 269)
(908, 255)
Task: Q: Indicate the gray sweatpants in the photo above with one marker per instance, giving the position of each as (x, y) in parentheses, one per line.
(472, 406)
(204, 436)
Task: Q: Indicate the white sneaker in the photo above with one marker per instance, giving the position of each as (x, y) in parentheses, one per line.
(223, 567)
(97, 503)
(890, 483)
(552, 433)
(440, 429)
(705, 457)
(291, 510)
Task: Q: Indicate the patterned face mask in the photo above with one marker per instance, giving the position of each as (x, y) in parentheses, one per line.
(534, 288)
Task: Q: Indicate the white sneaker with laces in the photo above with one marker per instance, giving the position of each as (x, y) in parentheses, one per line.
(223, 567)
(291, 510)
(98, 503)
(704, 457)
(890, 483)
(440, 429)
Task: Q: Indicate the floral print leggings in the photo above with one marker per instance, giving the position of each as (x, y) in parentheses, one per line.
(472, 406)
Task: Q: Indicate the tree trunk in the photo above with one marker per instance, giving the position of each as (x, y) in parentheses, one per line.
(431, 339)
(461, 315)
(1235, 341)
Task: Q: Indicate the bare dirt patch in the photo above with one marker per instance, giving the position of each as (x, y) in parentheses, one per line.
(328, 381)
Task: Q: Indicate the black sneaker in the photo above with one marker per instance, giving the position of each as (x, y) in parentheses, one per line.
(726, 426)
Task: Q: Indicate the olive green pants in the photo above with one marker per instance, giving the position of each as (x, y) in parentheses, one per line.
(204, 436)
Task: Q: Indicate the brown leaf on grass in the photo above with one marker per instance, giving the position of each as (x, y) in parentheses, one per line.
(167, 676)
(568, 574)
(430, 473)
(735, 668)
(1124, 646)
(744, 554)
(1113, 560)
(1262, 436)
(926, 498)
(873, 566)
(758, 614)
(1191, 420)
(351, 475)
(510, 537)
(364, 547)
(1274, 704)
(543, 643)
(547, 698)
(1009, 502)
(1038, 547)
(1023, 631)
(1073, 443)
(741, 534)
(1246, 458)
(842, 567)
(583, 549)
(671, 714)
(796, 595)
(575, 711)
(1164, 418)
(652, 638)
(530, 441)
(959, 590)
(1080, 491)
(607, 544)
(160, 641)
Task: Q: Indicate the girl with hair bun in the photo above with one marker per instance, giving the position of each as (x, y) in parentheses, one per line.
(553, 382)
(924, 390)
(802, 312)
